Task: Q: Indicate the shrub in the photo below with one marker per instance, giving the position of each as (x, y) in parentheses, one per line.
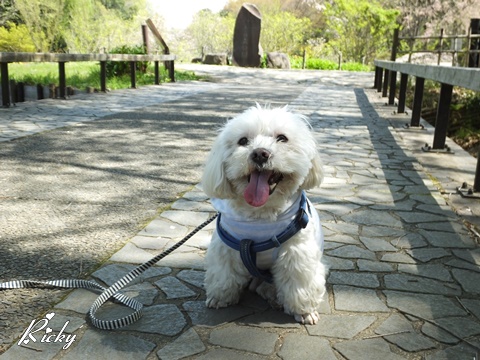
(119, 68)
(324, 64)
(321, 64)
(353, 66)
(15, 38)
(313, 63)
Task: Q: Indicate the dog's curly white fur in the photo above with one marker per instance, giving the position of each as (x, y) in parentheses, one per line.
(259, 163)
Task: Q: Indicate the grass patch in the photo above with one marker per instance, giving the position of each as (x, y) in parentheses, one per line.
(324, 64)
(81, 75)
(353, 66)
(47, 73)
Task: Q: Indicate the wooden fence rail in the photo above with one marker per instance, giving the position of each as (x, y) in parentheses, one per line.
(448, 77)
(61, 59)
(455, 45)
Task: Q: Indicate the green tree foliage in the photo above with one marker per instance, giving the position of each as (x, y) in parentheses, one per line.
(283, 31)
(81, 28)
(359, 29)
(8, 13)
(79, 25)
(15, 38)
(42, 21)
(88, 26)
(211, 33)
(125, 9)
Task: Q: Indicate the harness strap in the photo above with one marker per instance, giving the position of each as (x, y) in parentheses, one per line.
(249, 259)
(248, 248)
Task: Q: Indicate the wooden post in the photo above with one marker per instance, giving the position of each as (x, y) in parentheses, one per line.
(379, 80)
(454, 53)
(146, 47)
(469, 42)
(474, 58)
(171, 71)
(159, 37)
(417, 102)
(13, 91)
(52, 88)
(385, 83)
(441, 46)
(443, 114)
(103, 76)
(476, 183)
(157, 73)
(21, 92)
(5, 85)
(40, 94)
(402, 93)
(133, 74)
(396, 41)
(62, 79)
(164, 45)
(393, 87)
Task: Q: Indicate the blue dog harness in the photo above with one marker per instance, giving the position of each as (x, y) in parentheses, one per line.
(249, 248)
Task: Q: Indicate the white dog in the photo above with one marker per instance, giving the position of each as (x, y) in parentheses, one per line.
(256, 174)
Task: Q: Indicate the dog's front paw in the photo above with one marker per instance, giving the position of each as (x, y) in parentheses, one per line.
(309, 318)
(217, 303)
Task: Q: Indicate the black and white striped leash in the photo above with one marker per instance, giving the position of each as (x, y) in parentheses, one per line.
(110, 292)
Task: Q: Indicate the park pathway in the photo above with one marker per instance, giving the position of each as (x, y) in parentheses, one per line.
(92, 186)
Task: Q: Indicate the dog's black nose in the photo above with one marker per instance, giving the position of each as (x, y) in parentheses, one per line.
(260, 156)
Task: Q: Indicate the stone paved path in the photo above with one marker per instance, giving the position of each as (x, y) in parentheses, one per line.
(404, 268)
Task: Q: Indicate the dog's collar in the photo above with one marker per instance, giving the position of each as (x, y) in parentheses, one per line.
(248, 248)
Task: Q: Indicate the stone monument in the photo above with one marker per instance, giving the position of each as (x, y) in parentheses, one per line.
(246, 37)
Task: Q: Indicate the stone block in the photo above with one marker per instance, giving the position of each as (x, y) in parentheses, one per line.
(245, 338)
(216, 59)
(188, 344)
(278, 60)
(299, 347)
(341, 326)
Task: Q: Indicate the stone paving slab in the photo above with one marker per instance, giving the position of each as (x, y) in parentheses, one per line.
(72, 196)
(404, 268)
(32, 117)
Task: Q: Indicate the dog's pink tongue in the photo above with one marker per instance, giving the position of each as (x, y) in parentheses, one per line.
(258, 189)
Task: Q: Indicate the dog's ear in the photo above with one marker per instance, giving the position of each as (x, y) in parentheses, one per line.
(315, 174)
(214, 180)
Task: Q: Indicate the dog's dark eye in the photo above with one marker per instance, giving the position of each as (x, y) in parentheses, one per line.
(282, 138)
(243, 141)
